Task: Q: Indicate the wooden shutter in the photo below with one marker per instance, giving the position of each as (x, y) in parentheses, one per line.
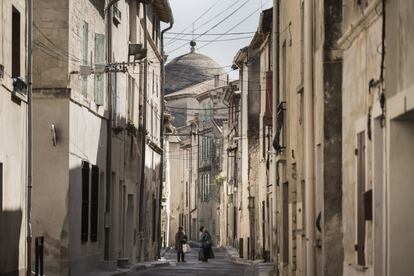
(85, 202)
(94, 203)
(154, 218)
(16, 38)
(267, 119)
(85, 41)
(286, 222)
(360, 247)
(100, 60)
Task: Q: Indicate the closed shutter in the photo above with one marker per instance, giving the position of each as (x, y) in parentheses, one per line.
(85, 202)
(94, 203)
(154, 219)
(360, 247)
(99, 60)
(267, 119)
(85, 42)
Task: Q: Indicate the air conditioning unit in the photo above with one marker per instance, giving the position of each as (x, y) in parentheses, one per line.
(85, 70)
(137, 51)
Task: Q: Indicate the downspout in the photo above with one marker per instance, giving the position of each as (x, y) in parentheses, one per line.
(144, 125)
(163, 56)
(29, 135)
(309, 142)
(275, 96)
(108, 128)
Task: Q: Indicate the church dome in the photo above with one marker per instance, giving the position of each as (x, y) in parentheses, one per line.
(190, 69)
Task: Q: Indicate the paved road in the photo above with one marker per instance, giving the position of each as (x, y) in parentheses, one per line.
(219, 266)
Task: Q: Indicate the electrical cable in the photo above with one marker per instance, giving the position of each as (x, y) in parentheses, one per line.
(216, 25)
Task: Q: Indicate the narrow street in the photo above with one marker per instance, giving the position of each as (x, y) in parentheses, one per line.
(218, 266)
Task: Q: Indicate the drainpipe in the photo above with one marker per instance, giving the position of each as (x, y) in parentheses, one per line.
(162, 129)
(108, 10)
(29, 134)
(144, 125)
(275, 96)
(309, 142)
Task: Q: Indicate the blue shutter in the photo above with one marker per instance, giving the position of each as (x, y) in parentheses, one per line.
(85, 56)
(94, 203)
(99, 59)
(85, 202)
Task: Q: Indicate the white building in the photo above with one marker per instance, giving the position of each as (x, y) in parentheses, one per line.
(13, 141)
(98, 209)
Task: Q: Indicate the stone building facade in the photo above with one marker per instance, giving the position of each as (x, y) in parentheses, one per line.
(255, 192)
(13, 137)
(98, 212)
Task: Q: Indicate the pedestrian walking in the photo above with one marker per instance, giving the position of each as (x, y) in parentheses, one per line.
(206, 246)
(200, 240)
(180, 240)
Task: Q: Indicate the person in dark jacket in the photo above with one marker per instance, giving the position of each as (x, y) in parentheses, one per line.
(180, 240)
(206, 245)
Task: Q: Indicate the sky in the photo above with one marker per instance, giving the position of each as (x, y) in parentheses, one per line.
(237, 16)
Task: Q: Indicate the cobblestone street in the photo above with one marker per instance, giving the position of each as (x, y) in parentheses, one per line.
(218, 266)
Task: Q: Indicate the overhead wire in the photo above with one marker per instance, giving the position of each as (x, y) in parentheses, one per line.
(236, 25)
(215, 26)
(195, 21)
(211, 19)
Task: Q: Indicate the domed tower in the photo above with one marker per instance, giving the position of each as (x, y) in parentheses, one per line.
(190, 69)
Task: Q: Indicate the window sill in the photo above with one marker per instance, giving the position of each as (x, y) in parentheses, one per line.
(359, 267)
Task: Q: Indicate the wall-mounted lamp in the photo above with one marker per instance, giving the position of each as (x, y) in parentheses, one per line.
(54, 134)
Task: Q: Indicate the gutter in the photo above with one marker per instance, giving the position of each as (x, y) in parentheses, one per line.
(164, 58)
(108, 11)
(275, 96)
(29, 135)
(309, 142)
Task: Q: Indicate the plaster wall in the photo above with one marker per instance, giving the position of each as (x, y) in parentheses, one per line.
(51, 33)
(291, 164)
(175, 197)
(361, 63)
(399, 137)
(90, 147)
(400, 243)
(13, 148)
(51, 176)
(13, 141)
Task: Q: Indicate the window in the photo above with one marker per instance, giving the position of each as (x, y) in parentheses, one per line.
(362, 3)
(208, 187)
(186, 194)
(94, 203)
(133, 21)
(286, 222)
(131, 98)
(267, 140)
(154, 218)
(85, 202)
(16, 51)
(216, 80)
(99, 60)
(360, 152)
(85, 56)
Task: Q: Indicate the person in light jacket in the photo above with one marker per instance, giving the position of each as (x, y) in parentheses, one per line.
(180, 240)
